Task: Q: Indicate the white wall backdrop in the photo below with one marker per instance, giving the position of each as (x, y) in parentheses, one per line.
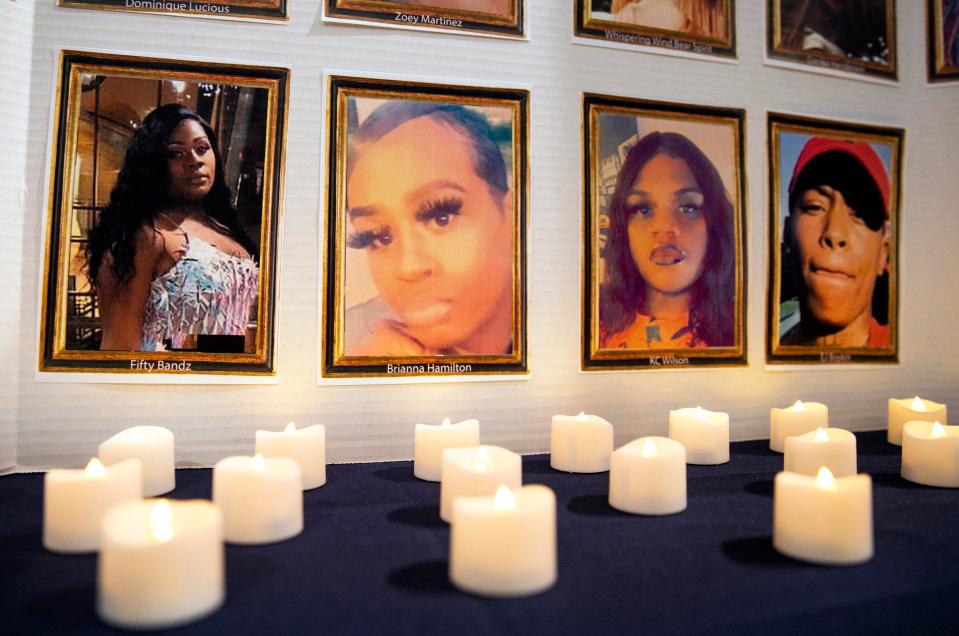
(16, 32)
(61, 424)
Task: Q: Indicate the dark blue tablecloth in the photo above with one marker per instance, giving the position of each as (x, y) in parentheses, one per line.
(373, 558)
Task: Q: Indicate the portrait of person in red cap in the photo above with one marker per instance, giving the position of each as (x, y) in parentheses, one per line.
(836, 247)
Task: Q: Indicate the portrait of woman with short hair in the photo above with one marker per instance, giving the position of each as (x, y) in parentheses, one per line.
(835, 218)
(428, 264)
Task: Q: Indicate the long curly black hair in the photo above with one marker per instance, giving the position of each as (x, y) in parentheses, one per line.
(142, 191)
(712, 298)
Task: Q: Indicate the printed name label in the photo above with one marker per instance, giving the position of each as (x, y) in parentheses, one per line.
(666, 43)
(426, 19)
(148, 366)
(834, 65)
(189, 7)
(835, 357)
(668, 361)
(414, 369)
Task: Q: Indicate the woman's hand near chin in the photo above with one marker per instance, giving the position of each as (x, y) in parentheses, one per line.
(390, 339)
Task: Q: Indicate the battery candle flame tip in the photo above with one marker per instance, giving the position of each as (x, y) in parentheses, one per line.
(481, 459)
(649, 449)
(798, 406)
(937, 431)
(504, 499)
(581, 417)
(257, 462)
(290, 428)
(161, 521)
(700, 414)
(821, 435)
(917, 404)
(825, 479)
(446, 423)
(94, 469)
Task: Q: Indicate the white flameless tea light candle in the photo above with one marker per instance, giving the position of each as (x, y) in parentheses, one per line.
(429, 442)
(477, 470)
(504, 544)
(930, 454)
(75, 502)
(261, 499)
(913, 409)
(798, 419)
(580, 444)
(833, 448)
(306, 446)
(823, 519)
(648, 477)
(704, 434)
(160, 564)
(153, 446)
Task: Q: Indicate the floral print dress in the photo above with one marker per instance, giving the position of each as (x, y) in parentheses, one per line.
(206, 292)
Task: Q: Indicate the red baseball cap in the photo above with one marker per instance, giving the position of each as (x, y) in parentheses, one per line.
(860, 150)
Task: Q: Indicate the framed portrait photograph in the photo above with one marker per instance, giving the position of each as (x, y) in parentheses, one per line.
(503, 18)
(426, 221)
(943, 26)
(249, 9)
(852, 37)
(664, 245)
(164, 192)
(834, 225)
(698, 27)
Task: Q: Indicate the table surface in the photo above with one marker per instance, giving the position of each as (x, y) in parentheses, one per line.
(373, 559)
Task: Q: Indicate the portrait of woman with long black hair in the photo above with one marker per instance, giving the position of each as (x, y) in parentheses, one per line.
(664, 238)
(671, 253)
(165, 186)
(168, 256)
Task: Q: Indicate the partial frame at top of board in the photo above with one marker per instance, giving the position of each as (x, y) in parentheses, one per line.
(498, 18)
(700, 28)
(238, 9)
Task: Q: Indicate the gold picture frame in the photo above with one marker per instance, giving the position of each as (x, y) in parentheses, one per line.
(426, 277)
(250, 9)
(699, 27)
(104, 103)
(504, 18)
(664, 270)
(855, 37)
(834, 227)
(943, 40)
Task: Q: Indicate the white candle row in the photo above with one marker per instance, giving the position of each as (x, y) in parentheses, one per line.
(258, 500)
(160, 562)
(139, 462)
(584, 443)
